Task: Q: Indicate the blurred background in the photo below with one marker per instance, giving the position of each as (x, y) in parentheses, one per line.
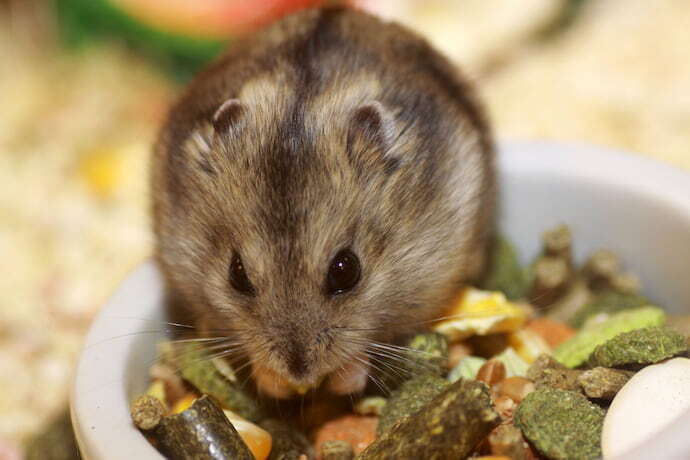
(84, 84)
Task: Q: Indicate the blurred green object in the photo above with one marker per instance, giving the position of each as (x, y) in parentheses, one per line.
(55, 441)
(504, 272)
(567, 16)
(85, 21)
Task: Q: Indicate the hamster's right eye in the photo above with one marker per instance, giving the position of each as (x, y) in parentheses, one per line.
(238, 276)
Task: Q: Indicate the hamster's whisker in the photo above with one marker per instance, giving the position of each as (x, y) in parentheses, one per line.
(378, 382)
(400, 348)
(531, 301)
(404, 360)
(395, 355)
(130, 334)
(148, 320)
(395, 369)
(215, 346)
(221, 354)
(385, 358)
(199, 340)
(393, 351)
(421, 322)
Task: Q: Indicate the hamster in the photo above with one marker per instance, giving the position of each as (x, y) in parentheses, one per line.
(326, 185)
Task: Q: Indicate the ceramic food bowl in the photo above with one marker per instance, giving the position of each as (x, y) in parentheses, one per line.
(632, 205)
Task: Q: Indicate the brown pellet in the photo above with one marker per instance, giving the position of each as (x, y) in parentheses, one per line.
(601, 267)
(492, 372)
(558, 242)
(551, 279)
(147, 412)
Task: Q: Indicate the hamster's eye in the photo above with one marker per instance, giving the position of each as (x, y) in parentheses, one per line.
(238, 277)
(343, 273)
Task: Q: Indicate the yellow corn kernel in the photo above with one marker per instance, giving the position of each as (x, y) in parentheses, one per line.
(301, 389)
(257, 439)
(157, 390)
(478, 312)
(528, 344)
(183, 403)
(102, 171)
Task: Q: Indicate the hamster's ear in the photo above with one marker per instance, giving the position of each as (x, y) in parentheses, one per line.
(370, 137)
(228, 115)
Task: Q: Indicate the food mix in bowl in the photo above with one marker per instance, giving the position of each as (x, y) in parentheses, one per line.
(549, 361)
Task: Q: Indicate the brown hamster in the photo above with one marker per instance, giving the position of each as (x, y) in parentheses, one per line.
(325, 185)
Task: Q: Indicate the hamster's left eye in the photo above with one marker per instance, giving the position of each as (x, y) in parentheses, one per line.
(238, 276)
(343, 273)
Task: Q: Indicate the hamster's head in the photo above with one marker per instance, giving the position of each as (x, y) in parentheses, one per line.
(312, 233)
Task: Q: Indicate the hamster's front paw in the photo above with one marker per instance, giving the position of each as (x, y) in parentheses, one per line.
(271, 383)
(351, 378)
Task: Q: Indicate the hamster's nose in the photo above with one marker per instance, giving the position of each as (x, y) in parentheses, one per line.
(296, 360)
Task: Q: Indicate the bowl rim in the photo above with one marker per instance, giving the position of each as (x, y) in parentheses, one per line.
(101, 424)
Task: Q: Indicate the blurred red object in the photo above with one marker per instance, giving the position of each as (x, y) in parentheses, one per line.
(215, 19)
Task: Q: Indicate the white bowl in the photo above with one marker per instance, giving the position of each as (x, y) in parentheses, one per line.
(632, 205)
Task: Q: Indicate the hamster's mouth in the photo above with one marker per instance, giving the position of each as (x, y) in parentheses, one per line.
(347, 379)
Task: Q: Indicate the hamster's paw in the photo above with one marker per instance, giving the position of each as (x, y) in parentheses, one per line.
(351, 378)
(271, 383)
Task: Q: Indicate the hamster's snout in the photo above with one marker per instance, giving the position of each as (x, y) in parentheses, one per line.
(292, 365)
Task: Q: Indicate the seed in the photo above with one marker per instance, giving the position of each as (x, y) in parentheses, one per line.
(505, 407)
(456, 353)
(515, 388)
(256, 438)
(492, 372)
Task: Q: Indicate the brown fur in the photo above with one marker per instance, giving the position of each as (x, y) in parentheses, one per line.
(351, 132)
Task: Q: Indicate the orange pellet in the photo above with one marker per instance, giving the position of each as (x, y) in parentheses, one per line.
(553, 332)
(358, 430)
